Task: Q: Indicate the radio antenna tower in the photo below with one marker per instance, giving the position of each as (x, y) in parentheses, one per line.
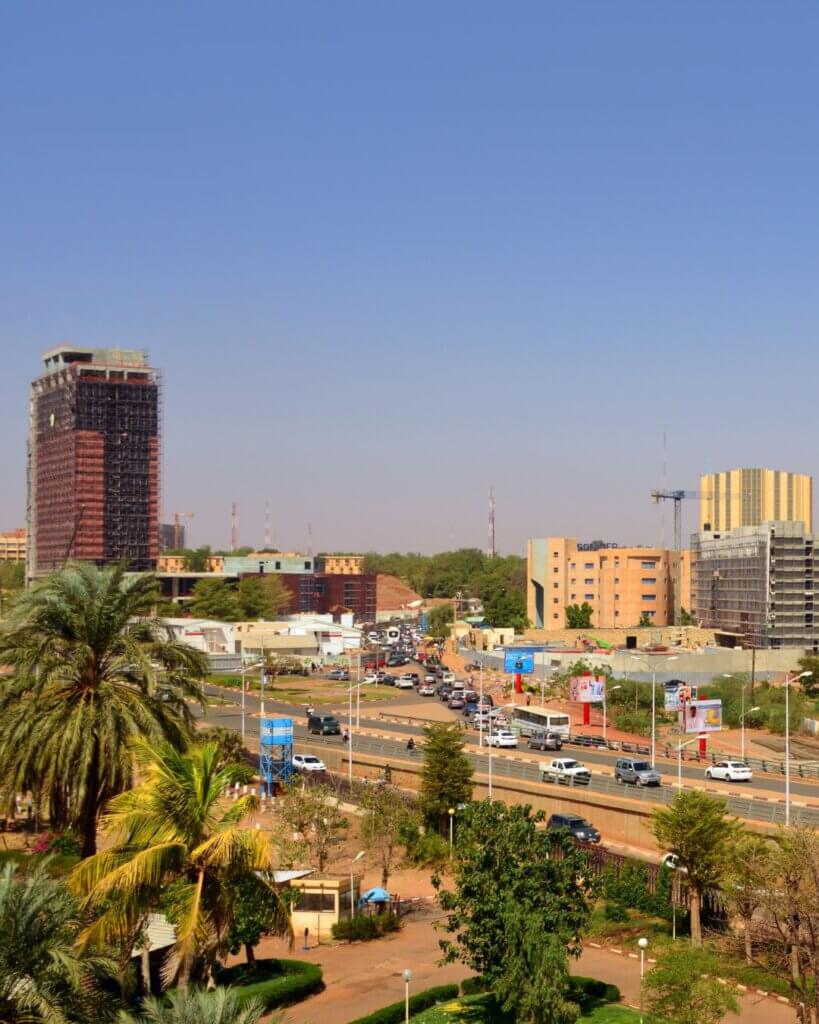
(491, 551)
(268, 538)
(310, 539)
(234, 532)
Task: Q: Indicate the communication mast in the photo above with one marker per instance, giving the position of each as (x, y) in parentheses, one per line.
(234, 532)
(491, 549)
(268, 537)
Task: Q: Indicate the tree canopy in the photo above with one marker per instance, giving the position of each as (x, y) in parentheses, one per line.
(446, 775)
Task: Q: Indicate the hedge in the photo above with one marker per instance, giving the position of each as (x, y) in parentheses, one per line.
(589, 992)
(394, 1013)
(367, 926)
(474, 986)
(281, 982)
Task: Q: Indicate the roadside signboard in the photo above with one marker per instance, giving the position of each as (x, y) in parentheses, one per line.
(518, 662)
(678, 694)
(587, 689)
(703, 716)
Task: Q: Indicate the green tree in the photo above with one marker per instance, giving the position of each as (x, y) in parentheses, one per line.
(439, 621)
(231, 751)
(196, 559)
(504, 858)
(257, 911)
(810, 685)
(686, 618)
(578, 616)
(263, 597)
(385, 822)
(87, 673)
(680, 990)
(172, 843)
(645, 621)
(43, 977)
(215, 599)
(506, 608)
(749, 873)
(446, 775)
(696, 828)
(197, 1006)
(313, 815)
(534, 982)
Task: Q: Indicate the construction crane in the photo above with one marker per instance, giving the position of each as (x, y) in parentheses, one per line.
(177, 527)
(677, 497)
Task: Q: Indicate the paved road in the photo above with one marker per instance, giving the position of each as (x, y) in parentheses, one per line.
(501, 765)
(771, 782)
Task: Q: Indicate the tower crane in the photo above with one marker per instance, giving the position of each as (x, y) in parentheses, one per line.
(677, 497)
(177, 526)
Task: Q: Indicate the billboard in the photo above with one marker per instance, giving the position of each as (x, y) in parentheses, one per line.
(678, 694)
(703, 716)
(587, 689)
(519, 662)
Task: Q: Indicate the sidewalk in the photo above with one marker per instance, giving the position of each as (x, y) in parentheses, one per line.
(362, 977)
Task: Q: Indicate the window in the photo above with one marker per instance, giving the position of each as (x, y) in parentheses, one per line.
(616, 613)
(649, 597)
(588, 565)
(278, 566)
(589, 583)
(555, 569)
(555, 586)
(555, 554)
(616, 579)
(555, 616)
(573, 597)
(306, 565)
(588, 597)
(315, 902)
(648, 581)
(555, 600)
(616, 597)
(573, 565)
(648, 565)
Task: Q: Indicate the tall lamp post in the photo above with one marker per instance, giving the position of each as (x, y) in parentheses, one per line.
(653, 669)
(788, 681)
(742, 717)
(605, 690)
(353, 863)
(243, 672)
(451, 813)
(643, 944)
(407, 975)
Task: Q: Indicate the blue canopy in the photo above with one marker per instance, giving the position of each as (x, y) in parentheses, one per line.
(377, 895)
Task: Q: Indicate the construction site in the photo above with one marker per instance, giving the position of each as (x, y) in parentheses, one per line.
(94, 460)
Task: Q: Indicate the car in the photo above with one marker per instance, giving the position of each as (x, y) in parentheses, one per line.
(339, 673)
(394, 662)
(730, 771)
(565, 770)
(404, 683)
(308, 763)
(324, 725)
(470, 696)
(426, 690)
(448, 677)
(444, 693)
(639, 773)
(501, 738)
(456, 701)
(480, 720)
(470, 707)
(371, 677)
(542, 739)
(487, 699)
(429, 677)
(578, 827)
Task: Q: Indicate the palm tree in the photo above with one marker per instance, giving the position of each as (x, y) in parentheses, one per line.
(175, 843)
(43, 978)
(89, 670)
(196, 1006)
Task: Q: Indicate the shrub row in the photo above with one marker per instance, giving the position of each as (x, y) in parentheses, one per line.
(282, 982)
(394, 1013)
(366, 926)
(589, 992)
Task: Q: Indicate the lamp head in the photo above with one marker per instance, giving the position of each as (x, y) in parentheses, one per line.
(642, 943)
(407, 975)
(451, 811)
(748, 712)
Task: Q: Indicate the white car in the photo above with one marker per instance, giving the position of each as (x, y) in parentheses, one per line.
(371, 677)
(730, 771)
(308, 763)
(501, 738)
(426, 690)
(430, 678)
(448, 677)
(404, 682)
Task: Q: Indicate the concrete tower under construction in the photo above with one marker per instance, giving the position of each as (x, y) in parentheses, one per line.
(93, 460)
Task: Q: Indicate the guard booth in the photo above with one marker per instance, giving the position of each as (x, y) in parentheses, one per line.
(275, 753)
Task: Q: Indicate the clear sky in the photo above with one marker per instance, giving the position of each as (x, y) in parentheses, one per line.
(390, 254)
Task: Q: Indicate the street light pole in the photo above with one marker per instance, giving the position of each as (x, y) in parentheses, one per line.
(353, 862)
(679, 760)
(802, 675)
(750, 711)
(642, 943)
(451, 830)
(407, 979)
(653, 669)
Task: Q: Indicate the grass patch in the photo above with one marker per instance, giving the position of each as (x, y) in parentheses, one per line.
(611, 1015)
(483, 1009)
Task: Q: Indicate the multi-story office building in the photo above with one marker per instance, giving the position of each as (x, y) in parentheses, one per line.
(13, 546)
(624, 586)
(171, 536)
(748, 497)
(93, 460)
(755, 585)
(341, 565)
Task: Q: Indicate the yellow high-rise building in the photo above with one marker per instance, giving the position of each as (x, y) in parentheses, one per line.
(748, 497)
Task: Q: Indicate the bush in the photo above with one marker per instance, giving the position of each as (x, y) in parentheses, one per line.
(394, 1013)
(615, 911)
(474, 986)
(274, 982)
(630, 890)
(589, 992)
(366, 927)
(425, 849)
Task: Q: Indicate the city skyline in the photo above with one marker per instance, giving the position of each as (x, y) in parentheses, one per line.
(388, 259)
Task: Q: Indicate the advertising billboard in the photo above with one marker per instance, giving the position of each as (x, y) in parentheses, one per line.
(519, 662)
(678, 694)
(703, 716)
(587, 689)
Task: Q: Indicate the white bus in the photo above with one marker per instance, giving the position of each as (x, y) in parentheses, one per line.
(528, 720)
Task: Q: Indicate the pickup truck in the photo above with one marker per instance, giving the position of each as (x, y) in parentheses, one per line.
(565, 770)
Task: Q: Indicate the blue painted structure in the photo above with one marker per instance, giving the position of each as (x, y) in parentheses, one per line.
(275, 752)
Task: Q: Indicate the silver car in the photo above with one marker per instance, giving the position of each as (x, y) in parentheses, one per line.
(639, 773)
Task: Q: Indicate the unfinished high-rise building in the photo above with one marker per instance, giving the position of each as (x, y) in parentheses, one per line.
(93, 460)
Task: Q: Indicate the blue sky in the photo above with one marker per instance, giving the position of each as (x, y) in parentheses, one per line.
(388, 255)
